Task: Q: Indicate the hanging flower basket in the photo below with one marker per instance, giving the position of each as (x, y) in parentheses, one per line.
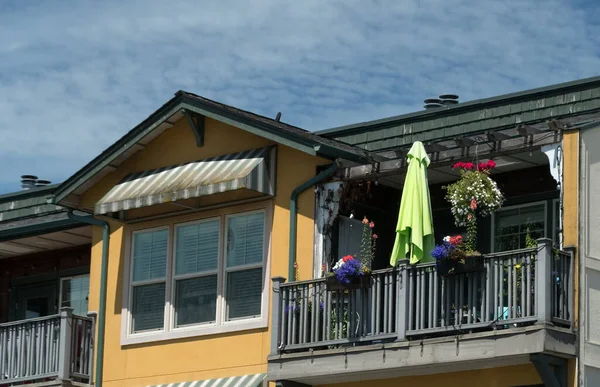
(474, 195)
(452, 258)
(355, 272)
(451, 267)
(362, 282)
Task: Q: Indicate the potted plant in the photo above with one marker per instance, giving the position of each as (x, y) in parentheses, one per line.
(475, 195)
(352, 272)
(451, 258)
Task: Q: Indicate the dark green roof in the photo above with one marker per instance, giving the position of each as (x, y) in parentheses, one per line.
(562, 101)
(27, 213)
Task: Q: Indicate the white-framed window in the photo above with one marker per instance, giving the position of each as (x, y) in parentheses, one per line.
(74, 293)
(511, 224)
(200, 277)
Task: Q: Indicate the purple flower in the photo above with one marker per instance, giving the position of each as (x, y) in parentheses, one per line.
(290, 308)
(443, 251)
(349, 270)
(321, 305)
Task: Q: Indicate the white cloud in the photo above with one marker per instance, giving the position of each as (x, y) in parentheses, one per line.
(75, 76)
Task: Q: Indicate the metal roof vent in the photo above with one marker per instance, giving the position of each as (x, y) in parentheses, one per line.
(449, 99)
(432, 103)
(443, 100)
(28, 181)
(31, 181)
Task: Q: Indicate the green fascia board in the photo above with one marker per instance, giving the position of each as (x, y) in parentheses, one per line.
(28, 212)
(570, 88)
(184, 101)
(23, 203)
(27, 194)
(38, 229)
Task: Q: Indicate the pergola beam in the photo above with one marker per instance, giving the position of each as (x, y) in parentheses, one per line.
(484, 149)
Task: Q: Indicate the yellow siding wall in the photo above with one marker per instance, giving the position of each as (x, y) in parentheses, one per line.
(203, 357)
(523, 375)
(571, 219)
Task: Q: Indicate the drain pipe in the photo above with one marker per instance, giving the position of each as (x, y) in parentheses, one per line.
(103, 280)
(294, 213)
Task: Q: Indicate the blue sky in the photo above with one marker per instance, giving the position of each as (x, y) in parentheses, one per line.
(77, 75)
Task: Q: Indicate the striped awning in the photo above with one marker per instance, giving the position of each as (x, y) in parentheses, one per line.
(253, 169)
(234, 381)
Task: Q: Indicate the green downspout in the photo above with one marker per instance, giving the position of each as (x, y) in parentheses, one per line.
(294, 213)
(103, 281)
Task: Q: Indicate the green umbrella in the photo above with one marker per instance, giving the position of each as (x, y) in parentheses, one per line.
(414, 232)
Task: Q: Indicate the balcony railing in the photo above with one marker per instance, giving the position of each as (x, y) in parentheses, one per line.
(519, 287)
(58, 347)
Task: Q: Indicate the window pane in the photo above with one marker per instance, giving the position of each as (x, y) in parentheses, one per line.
(245, 239)
(150, 255)
(244, 293)
(74, 294)
(511, 226)
(197, 247)
(196, 300)
(148, 307)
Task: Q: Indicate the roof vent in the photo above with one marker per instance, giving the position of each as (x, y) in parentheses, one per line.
(443, 100)
(28, 181)
(31, 181)
(42, 183)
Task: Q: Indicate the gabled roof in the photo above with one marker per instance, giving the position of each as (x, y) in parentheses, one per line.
(568, 102)
(170, 112)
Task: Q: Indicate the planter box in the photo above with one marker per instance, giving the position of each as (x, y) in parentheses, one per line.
(363, 282)
(451, 267)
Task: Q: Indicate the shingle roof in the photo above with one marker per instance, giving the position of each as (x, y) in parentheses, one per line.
(566, 102)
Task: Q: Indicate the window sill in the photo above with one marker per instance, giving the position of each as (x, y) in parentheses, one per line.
(181, 333)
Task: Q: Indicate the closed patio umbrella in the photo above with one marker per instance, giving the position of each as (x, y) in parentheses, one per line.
(414, 231)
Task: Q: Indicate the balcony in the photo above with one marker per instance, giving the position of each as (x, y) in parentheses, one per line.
(55, 350)
(411, 318)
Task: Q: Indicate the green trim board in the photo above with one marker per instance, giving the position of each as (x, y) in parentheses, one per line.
(556, 102)
(36, 229)
(271, 129)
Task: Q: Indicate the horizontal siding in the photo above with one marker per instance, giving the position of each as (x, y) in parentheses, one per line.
(449, 124)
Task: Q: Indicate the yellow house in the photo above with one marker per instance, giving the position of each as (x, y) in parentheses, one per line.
(214, 227)
(195, 202)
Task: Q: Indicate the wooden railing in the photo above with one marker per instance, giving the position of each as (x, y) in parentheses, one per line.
(517, 287)
(47, 348)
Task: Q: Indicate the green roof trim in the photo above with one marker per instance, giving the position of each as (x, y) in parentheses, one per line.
(564, 100)
(37, 226)
(271, 129)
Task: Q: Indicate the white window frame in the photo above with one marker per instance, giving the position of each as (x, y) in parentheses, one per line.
(153, 281)
(175, 277)
(169, 331)
(60, 288)
(532, 204)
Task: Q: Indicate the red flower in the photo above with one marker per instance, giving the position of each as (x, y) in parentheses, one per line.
(486, 166)
(365, 220)
(295, 265)
(375, 236)
(456, 240)
(372, 224)
(347, 258)
(473, 204)
(323, 267)
(463, 165)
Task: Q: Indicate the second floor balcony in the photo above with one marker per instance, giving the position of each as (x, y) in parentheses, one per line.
(52, 350)
(520, 305)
